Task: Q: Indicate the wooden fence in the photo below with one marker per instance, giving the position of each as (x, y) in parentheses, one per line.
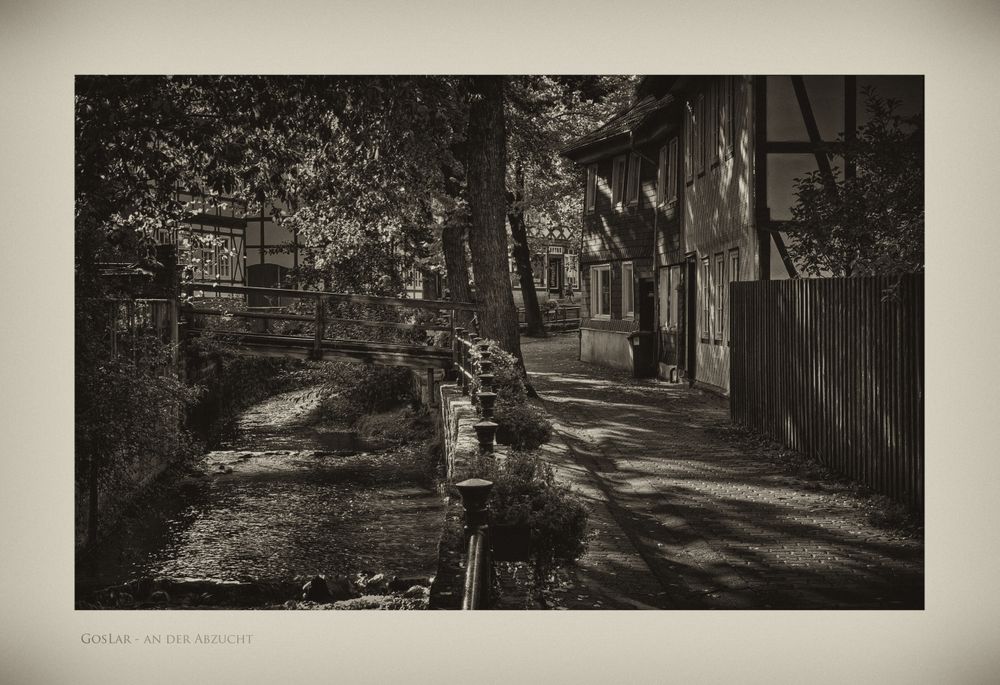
(834, 368)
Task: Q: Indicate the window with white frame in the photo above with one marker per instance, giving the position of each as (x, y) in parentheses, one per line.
(618, 182)
(734, 272)
(225, 262)
(600, 291)
(729, 115)
(689, 124)
(673, 297)
(628, 292)
(701, 129)
(706, 297)
(661, 176)
(632, 187)
(591, 199)
(666, 182)
(720, 295)
(714, 121)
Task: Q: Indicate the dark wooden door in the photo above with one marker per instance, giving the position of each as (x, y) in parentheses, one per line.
(647, 305)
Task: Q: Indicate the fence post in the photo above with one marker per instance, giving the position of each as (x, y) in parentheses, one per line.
(320, 326)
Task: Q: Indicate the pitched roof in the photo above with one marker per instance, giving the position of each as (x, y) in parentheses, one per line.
(622, 123)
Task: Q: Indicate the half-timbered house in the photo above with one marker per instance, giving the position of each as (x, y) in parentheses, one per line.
(688, 190)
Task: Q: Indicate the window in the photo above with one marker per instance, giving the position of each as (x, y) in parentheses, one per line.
(591, 199)
(666, 180)
(668, 301)
(225, 263)
(701, 129)
(689, 144)
(729, 113)
(208, 264)
(617, 181)
(661, 177)
(600, 291)
(706, 298)
(632, 189)
(628, 293)
(720, 295)
(714, 121)
(674, 299)
(734, 270)
(572, 271)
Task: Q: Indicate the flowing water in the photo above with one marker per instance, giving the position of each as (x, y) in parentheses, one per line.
(281, 501)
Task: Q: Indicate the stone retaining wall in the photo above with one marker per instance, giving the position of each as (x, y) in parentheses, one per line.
(458, 415)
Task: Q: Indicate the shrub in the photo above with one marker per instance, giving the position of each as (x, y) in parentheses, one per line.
(526, 493)
(519, 424)
(522, 426)
(507, 381)
(355, 390)
(401, 425)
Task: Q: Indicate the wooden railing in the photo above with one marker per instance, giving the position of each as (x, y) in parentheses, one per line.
(562, 318)
(318, 344)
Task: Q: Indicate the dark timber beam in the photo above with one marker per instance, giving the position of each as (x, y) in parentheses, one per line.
(762, 213)
(779, 241)
(799, 85)
(850, 122)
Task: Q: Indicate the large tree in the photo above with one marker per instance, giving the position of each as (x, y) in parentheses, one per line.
(485, 173)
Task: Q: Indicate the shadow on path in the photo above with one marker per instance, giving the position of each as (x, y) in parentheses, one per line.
(702, 522)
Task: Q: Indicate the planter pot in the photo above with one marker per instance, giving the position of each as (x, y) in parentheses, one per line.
(510, 542)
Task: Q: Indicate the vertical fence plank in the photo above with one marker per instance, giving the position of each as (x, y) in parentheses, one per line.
(834, 369)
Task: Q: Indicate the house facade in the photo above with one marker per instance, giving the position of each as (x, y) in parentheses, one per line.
(688, 190)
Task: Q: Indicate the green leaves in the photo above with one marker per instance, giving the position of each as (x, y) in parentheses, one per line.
(873, 223)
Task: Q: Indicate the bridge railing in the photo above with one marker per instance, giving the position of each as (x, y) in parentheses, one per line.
(304, 324)
(562, 317)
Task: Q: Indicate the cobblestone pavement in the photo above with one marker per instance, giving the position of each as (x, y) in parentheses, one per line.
(685, 516)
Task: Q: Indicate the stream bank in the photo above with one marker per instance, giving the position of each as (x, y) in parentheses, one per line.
(281, 501)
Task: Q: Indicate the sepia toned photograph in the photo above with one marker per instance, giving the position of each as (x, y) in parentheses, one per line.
(509, 343)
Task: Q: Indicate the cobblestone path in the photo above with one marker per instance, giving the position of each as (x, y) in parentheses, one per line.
(686, 517)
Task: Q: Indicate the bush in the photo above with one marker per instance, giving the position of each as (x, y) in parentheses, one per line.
(526, 493)
(522, 426)
(518, 423)
(507, 381)
(402, 425)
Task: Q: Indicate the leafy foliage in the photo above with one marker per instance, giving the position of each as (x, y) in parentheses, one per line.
(355, 390)
(522, 426)
(526, 493)
(873, 223)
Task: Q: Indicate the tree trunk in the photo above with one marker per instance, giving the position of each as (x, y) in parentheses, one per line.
(457, 269)
(522, 258)
(486, 170)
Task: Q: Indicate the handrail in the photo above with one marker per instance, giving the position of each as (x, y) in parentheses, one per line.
(476, 592)
(336, 297)
(309, 317)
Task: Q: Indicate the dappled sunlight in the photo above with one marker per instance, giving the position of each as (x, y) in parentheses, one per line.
(719, 524)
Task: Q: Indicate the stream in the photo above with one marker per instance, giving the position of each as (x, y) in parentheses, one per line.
(277, 504)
